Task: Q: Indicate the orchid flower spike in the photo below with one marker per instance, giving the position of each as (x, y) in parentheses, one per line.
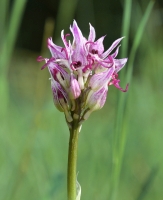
(81, 72)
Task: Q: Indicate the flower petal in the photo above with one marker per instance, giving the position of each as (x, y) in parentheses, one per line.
(54, 67)
(114, 55)
(77, 34)
(57, 94)
(96, 100)
(97, 46)
(56, 51)
(99, 80)
(64, 38)
(119, 64)
(60, 98)
(92, 34)
(115, 43)
(79, 49)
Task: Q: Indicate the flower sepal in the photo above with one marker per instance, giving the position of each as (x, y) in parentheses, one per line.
(95, 100)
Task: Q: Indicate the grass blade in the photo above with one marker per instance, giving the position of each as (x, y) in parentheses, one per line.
(147, 184)
(122, 115)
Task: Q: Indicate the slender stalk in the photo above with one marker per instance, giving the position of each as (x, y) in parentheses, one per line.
(72, 162)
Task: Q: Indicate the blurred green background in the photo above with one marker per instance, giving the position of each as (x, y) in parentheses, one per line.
(33, 133)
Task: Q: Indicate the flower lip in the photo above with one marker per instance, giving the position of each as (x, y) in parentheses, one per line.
(40, 58)
(91, 62)
(48, 61)
(115, 81)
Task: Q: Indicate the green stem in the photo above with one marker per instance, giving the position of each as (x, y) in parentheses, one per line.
(72, 162)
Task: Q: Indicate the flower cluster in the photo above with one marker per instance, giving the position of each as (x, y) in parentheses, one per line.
(81, 72)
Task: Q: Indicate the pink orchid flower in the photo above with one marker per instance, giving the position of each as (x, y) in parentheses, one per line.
(82, 71)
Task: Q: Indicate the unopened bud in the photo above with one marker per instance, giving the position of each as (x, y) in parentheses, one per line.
(96, 99)
(74, 90)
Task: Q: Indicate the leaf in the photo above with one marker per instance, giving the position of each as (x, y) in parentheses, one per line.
(78, 189)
